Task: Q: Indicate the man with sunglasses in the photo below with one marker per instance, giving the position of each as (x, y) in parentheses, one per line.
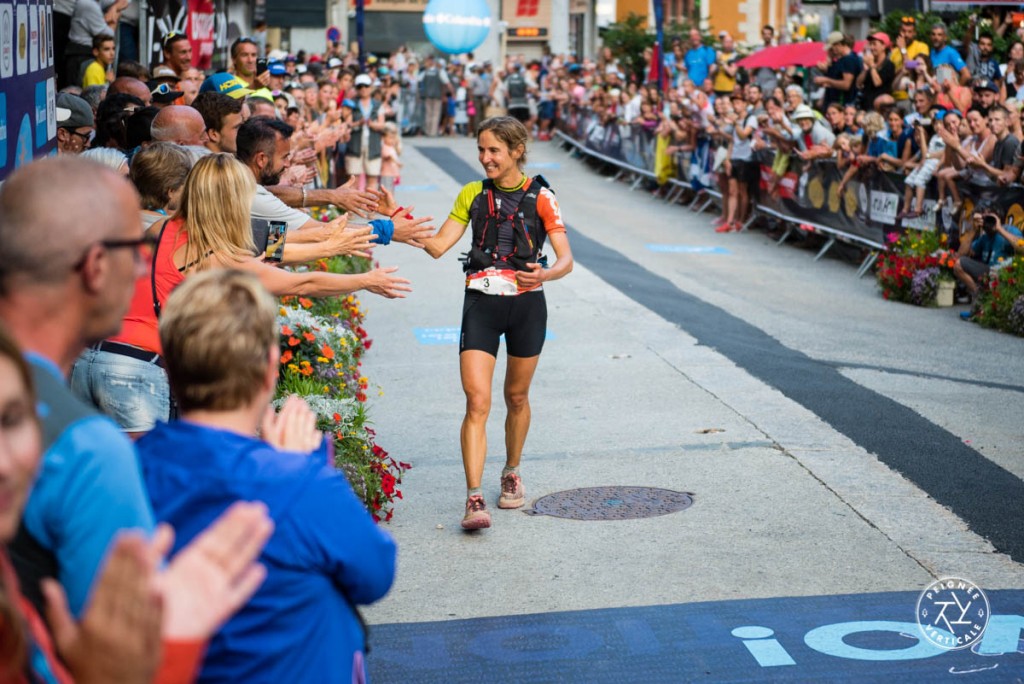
(177, 51)
(75, 124)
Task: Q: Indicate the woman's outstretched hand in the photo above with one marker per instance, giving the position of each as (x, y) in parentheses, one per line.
(380, 281)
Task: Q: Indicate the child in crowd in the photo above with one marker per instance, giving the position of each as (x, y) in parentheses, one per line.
(100, 70)
(933, 149)
(461, 114)
(390, 152)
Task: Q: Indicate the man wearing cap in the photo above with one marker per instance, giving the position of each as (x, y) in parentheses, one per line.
(278, 75)
(814, 139)
(363, 153)
(225, 84)
(945, 54)
(878, 73)
(177, 51)
(840, 72)
(985, 93)
(75, 124)
(164, 87)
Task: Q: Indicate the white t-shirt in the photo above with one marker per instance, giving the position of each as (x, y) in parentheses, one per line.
(266, 206)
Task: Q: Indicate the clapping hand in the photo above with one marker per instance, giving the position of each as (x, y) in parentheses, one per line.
(293, 428)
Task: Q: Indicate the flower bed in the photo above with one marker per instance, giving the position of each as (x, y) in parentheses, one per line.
(1000, 301)
(911, 269)
(322, 345)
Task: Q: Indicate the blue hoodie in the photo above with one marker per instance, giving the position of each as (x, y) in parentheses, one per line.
(325, 551)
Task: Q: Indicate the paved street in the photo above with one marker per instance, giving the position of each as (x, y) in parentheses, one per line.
(842, 452)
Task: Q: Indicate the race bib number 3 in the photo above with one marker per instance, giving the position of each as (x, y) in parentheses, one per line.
(494, 282)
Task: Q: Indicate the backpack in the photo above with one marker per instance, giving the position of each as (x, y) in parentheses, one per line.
(528, 230)
(517, 86)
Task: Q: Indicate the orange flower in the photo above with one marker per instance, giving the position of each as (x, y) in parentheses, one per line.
(287, 356)
(327, 351)
(294, 341)
(305, 303)
(306, 370)
(337, 417)
(309, 336)
(287, 331)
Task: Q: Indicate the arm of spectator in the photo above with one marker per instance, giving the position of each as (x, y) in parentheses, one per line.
(969, 235)
(346, 545)
(280, 282)
(847, 177)
(327, 240)
(1012, 239)
(347, 197)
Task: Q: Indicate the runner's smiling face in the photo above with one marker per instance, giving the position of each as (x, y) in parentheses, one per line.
(500, 164)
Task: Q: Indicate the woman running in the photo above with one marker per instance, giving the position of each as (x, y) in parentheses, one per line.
(512, 215)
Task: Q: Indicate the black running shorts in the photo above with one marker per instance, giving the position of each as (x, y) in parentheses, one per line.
(522, 319)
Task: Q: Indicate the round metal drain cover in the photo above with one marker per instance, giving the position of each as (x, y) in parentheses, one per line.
(611, 503)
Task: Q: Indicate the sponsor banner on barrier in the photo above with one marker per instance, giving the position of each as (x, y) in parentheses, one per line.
(865, 210)
(28, 124)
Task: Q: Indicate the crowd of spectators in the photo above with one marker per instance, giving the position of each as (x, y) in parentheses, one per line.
(151, 299)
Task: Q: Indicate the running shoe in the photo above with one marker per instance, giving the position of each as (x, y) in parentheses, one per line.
(477, 516)
(513, 495)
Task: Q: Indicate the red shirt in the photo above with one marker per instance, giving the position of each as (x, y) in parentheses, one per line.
(140, 327)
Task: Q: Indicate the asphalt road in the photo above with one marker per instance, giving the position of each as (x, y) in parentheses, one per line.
(842, 452)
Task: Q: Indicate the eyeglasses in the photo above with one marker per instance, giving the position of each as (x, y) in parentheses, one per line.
(136, 244)
(162, 89)
(147, 240)
(86, 137)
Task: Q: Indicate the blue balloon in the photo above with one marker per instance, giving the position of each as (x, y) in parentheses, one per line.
(455, 26)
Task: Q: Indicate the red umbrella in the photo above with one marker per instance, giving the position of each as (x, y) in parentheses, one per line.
(792, 54)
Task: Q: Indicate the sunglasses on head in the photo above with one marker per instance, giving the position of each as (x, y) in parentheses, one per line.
(908, 20)
(162, 89)
(172, 36)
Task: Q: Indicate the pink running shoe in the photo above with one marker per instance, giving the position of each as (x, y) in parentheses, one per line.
(513, 495)
(477, 516)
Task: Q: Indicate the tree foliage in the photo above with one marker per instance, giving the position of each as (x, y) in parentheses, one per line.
(628, 39)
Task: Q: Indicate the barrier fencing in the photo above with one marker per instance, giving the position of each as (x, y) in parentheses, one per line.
(804, 193)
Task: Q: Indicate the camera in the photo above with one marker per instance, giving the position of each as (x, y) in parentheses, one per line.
(988, 222)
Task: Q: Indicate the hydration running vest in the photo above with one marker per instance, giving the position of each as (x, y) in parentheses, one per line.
(516, 88)
(527, 229)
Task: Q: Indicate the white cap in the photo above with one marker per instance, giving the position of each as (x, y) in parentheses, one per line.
(363, 80)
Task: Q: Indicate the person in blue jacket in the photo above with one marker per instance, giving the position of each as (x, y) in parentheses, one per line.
(326, 555)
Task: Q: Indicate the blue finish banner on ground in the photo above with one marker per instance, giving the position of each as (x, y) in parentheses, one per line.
(28, 115)
(848, 638)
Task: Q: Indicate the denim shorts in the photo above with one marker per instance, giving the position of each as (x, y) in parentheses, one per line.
(134, 393)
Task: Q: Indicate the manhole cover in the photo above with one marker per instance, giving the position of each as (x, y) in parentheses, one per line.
(611, 503)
